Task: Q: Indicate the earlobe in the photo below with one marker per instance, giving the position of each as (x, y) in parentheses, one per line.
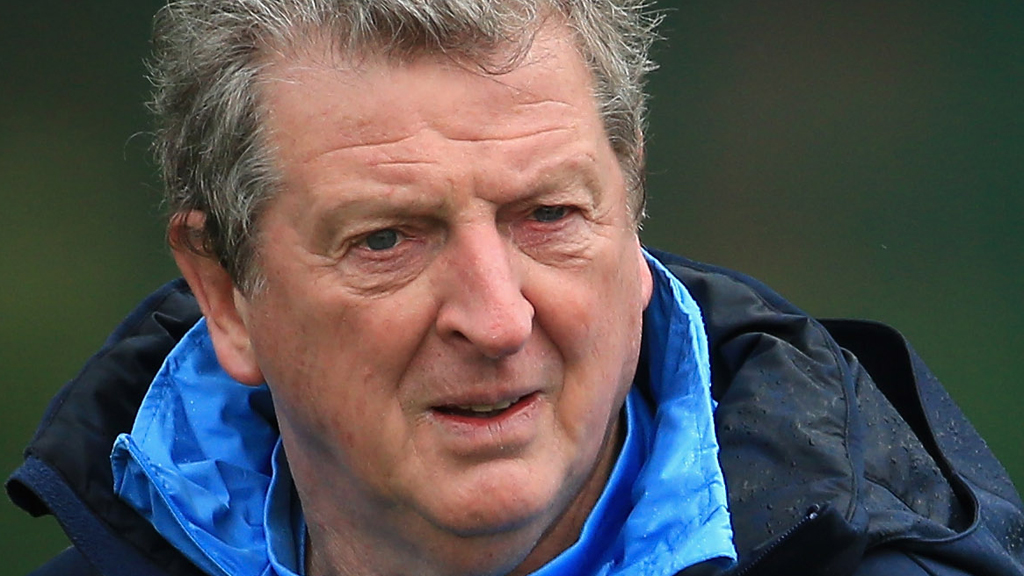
(218, 299)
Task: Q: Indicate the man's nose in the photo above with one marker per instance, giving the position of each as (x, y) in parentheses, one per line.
(484, 306)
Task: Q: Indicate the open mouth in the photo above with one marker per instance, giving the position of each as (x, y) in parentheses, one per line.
(483, 411)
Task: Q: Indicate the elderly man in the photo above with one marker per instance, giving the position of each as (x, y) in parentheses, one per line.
(430, 342)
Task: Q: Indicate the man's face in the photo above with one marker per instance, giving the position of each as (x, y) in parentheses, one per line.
(452, 309)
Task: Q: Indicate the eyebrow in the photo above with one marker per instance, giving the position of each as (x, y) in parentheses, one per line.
(570, 174)
(327, 223)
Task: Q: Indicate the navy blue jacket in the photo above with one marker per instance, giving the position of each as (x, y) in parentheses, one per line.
(842, 454)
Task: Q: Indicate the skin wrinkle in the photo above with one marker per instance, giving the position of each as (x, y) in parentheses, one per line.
(363, 70)
(401, 163)
(367, 66)
(317, 156)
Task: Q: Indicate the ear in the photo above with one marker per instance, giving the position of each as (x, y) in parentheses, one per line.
(222, 304)
(646, 276)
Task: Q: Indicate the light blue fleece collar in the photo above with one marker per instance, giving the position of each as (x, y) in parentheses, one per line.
(681, 512)
(204, 464)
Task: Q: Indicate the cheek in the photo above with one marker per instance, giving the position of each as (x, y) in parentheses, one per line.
(340, 412)
(596, 327)
(594, 312)
(335, 366)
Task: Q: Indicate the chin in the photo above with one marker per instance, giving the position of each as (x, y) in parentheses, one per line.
(494, 519)
(513, 503)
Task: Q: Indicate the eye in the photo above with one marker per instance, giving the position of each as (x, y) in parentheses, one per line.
(550, 213)
(385, 239)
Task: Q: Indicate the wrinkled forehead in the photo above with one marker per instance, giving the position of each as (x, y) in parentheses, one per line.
(510, 69)
(373, 98)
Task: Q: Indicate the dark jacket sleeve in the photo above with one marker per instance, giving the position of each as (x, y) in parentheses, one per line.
(891, 562)
(70, 562)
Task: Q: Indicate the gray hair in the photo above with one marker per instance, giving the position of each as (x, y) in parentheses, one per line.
(210, 142)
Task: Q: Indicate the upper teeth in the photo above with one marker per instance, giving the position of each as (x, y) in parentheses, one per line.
(486, 407)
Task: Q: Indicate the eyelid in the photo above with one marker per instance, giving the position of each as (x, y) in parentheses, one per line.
(360, 231)
(569, 198)
(409, 232)
(564, 210)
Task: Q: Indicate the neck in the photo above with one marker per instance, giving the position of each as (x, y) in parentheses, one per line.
(333, 551)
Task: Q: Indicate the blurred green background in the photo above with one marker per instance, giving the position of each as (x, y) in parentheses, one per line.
(864, 158)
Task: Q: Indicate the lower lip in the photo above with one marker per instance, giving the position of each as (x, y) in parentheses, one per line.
(504, 430)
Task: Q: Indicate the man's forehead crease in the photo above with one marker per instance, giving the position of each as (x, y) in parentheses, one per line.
(375, 148)
(378, 142)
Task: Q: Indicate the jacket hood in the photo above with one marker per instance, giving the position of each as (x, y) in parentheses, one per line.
(201, 459)
(205, 465)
